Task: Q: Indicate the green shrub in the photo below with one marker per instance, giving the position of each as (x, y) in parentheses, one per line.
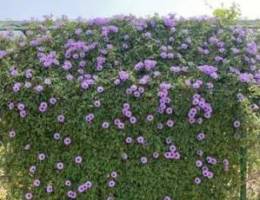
(227, 16)
(147, 99)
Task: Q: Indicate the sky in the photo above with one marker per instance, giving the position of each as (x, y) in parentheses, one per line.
(27, 9)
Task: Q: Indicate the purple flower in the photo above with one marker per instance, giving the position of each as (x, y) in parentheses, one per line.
(78, 159)
(23, 113)
(48, 59)
(132, 120)
(117, 81)
(12, 134)
(28, 73)
(82, 63)
(59, 165)
(89, 117)
(143, 81)
(111, 183)
(100, 89)
(211, 160)
(235, 50)
(205, 173)
(137, 94)
(17, 87)
(168, 140)
(47, 81)
(176, 155)
(225, 162)
(99, 21)
(61, 118)
(128, 140)
(121, 125)
(149, 118)
(2, 54)
(43, 107)
(218, 59)
(52, 100)
(126, 106)
(97, 103)
(81, 188)
(197, 180)
(11, 106)
(172, 148)
(105, 125)
(27, 84)
(67, 141)
(127, 113)
(170, 123)
(144, 160)
(221, 50)
(139, 66)
(69, 77)
(84, 84)
(199, 163)
(169, 22)
(56, 136)
(168, 155)
(106, 30)
(72, 194)
(49, 189)
(209, 70)
(199, 152)
(114, 174)
(88, 184)
(236, 124)
(140, 140)
(170, 55)
(246, 77)
(167, 198)
(240, 97)
(163, 55)
(175, 69)
(184, 46)
(20, 106)
(210, 174)
(36, 183)
(67, 65)
(149, 64)
(141, 89)
(210, 85)
(100, 62)
(156, 155)
(251, 48)
(41, 156)
(163, 48)
(148, 35)
(28, 196)
(123, 75)
(68, 183)
(32, 169)
(13, 71)
(78, 31)
(200, 136)
(38, 88)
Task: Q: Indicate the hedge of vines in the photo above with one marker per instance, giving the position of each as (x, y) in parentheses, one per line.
(127, 108)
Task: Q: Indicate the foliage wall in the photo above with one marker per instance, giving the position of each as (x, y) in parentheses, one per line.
(128, 108)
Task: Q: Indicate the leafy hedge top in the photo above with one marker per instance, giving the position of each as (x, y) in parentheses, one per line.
(127, 108)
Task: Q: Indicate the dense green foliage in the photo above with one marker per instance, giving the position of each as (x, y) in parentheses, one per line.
(41, 69)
